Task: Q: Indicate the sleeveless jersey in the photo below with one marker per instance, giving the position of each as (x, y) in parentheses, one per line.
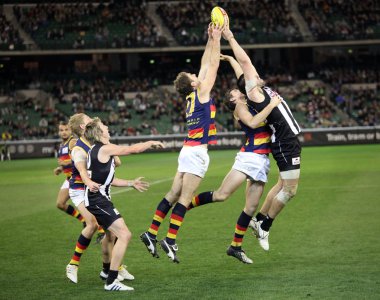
(99, 172)
(200, 120)
(257, 139)
(76, 182)
(280, 120)
(64, 156)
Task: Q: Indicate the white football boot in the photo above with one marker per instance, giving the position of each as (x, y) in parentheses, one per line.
(123, 272)
(263, 238)
(72, 273)
(117, 286)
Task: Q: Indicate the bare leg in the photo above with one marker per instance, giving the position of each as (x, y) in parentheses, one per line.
(270, 196)
(175, 191)
(230, 184)
(91, 224)
(253, 192)
(290, 187)
(123, 235)
(62, 198)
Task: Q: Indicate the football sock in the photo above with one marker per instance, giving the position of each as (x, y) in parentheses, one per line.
(240, 229)
(260, 216)
(160, 214)
(112, 275)
(267, 223)
(100, 229)
(176, 220)
(106, 267)
(80, 247)
(201, 199)
(70, 210)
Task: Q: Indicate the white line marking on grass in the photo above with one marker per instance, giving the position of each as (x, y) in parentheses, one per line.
(152, 183)
(332, 187)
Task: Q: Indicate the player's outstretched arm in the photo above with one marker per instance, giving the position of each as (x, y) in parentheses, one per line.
(205, 61)
(210, 77)
(248, 119)
(234, 64)
(138, 184)
(112, 149)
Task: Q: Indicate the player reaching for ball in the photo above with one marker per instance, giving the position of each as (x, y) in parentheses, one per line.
(193, 159)
(285, 146)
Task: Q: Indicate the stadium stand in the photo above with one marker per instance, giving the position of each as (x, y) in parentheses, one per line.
(88, 25)
(342, 20)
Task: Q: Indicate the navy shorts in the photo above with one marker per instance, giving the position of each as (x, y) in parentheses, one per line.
(287, 154)
(104, 212)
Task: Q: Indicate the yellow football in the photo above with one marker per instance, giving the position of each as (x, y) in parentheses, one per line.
(217, 16)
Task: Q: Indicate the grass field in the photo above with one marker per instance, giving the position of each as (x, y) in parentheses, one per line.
(324, 245)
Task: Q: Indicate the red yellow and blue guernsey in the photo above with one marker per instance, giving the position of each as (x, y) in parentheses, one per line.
(200, 119)
(64, 156)
(76, 182)
(258, 139)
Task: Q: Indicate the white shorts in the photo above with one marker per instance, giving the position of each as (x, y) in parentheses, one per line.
(76, 196)
(193, 160)
(65, 184)
(255, 166)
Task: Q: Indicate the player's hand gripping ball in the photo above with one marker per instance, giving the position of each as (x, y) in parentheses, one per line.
(218, 16)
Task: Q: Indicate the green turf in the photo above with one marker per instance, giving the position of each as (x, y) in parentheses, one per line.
(324, 245)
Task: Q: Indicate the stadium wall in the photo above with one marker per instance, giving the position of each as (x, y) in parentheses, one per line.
(230, 140)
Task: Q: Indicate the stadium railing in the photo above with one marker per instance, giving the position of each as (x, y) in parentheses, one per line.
(229, 140)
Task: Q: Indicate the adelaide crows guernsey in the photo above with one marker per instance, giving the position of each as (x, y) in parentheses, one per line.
(200, 120)
(257, 139)
(64, 156)
(76, 182)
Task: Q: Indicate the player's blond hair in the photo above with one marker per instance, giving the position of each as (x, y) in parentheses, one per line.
(93, 133)
(75, 122)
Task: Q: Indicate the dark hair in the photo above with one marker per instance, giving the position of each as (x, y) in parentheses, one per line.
(227, 102)
(64, 123)
(182, 84)
(241, 84)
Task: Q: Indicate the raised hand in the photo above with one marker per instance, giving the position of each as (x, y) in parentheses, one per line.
(140, 185)
(209, 31)
(57, 170)
(156, 145)
(216, 31)
(275, 101)
(225, 57)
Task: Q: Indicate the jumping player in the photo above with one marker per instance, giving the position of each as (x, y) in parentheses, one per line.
(101, 167)
(65, 167)
(285, 146)
(193, 159)
(251, 163)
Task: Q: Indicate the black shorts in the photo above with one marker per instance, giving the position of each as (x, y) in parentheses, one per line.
(287, 154)
(104, 211)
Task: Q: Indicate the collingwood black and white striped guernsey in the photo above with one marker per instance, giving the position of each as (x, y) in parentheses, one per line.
(99, 172)
(280, 120)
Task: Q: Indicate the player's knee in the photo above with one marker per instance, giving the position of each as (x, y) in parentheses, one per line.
(287, 193)
(125, 235)
(60, 205)
(220, 196)
(91, 225)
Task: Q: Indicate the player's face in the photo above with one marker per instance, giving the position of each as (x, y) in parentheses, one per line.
(64, 132)
(236, 96)
(194, 78)
(105, 131)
